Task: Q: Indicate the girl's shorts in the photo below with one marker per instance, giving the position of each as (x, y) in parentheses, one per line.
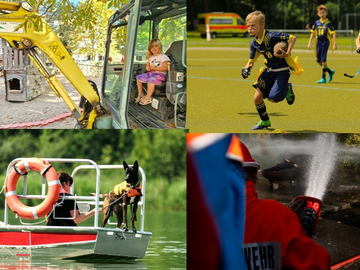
(151, 77)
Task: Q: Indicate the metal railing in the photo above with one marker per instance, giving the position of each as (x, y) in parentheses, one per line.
(94, 200)
(305, 31)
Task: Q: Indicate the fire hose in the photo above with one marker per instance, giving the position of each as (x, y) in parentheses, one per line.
(37, 123)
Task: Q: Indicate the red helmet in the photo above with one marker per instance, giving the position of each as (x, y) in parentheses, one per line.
(238, 151)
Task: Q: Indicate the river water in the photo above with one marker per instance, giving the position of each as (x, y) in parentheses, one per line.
(166, 250)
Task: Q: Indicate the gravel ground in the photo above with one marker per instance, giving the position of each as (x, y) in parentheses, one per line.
(41, 108)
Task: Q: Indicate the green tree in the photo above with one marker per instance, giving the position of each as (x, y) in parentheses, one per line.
(282, 14)
(162, 154)
(81, 26)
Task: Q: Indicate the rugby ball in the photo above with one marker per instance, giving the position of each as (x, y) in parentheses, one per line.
(281, 44)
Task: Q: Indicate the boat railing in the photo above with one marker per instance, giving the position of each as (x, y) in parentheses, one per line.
(141, 203)
(92, 200)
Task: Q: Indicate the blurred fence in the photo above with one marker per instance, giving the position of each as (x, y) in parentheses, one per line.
(90, 69)
(339, 33)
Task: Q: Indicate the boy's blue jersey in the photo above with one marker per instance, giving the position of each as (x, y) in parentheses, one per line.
(323, 29)
(266, 47)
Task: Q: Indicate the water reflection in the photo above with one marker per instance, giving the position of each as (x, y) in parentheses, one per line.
(166, 250)
(63, 264)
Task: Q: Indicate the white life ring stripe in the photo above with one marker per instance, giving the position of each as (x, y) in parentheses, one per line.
(54, 182)
(26, 164)
(10, 193)
(34, 214)
(52, 178)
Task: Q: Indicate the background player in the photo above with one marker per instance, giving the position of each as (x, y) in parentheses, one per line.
(323, 28)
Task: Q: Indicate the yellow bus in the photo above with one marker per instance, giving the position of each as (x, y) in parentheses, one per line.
(221, 23)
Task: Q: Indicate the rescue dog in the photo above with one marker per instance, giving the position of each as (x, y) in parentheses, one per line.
(123, 194)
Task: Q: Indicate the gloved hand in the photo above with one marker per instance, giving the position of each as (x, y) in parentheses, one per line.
(298, 208)
(309, 221)
(358, 50)
(306, 215)
(245, 72)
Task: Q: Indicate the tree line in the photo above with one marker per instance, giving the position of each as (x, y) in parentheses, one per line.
(280, 14)
(161, 153)
(82, 25)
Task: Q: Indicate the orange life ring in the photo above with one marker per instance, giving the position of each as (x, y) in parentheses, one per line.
(21, 168)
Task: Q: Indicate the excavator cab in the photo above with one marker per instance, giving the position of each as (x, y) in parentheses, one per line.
(129, 31)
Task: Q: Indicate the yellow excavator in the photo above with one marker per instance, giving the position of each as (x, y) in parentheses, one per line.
(113, 106)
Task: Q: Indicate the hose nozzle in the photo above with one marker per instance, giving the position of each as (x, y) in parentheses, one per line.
(312, 212)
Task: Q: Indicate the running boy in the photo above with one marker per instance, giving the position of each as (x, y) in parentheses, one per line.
(323, 28)
(272, 83)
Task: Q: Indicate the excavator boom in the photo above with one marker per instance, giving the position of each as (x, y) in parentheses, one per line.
(24, 29)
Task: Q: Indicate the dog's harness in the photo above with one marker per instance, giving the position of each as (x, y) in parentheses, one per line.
(130, 192)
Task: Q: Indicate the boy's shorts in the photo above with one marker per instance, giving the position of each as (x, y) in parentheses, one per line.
(322, 47)
(273, 85)
(151, 77)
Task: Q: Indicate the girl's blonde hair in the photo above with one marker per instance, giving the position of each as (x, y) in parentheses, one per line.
(150, 45)
(256, 15)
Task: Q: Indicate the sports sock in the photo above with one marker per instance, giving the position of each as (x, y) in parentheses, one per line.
(261, 108)
(324, 71)
(328, 70)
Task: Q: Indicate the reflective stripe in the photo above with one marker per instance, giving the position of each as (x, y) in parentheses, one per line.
(54, 182)
(198, 142)
(261, 256)
(26, 164)
(34, 214)
(277, 69)
(45, 170)
(10, 193)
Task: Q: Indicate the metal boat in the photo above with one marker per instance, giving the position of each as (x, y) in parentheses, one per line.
(31, 240)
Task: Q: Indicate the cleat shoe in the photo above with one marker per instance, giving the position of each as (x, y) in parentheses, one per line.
(322, 80)
(262, 124)
(290, 96)
(331, 75)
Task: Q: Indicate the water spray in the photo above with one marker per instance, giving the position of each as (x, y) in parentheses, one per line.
(321, 168)
(322, 165)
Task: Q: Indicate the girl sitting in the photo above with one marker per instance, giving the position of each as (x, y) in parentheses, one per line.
(157, 66)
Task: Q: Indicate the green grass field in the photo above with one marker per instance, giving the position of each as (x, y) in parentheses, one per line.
(221, 101)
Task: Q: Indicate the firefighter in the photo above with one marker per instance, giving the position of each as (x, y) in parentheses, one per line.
(274, 237)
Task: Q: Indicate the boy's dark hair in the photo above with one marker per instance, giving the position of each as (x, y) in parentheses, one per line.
(65, 178)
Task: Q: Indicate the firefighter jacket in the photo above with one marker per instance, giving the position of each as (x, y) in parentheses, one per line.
(275, 239)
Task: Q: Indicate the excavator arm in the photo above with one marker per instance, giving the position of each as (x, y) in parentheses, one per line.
(24, 29)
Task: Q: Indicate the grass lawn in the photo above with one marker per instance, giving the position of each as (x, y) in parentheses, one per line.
(194, 40)
(221, 101)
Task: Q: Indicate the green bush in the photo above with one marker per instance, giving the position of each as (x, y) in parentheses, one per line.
(160, 193)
